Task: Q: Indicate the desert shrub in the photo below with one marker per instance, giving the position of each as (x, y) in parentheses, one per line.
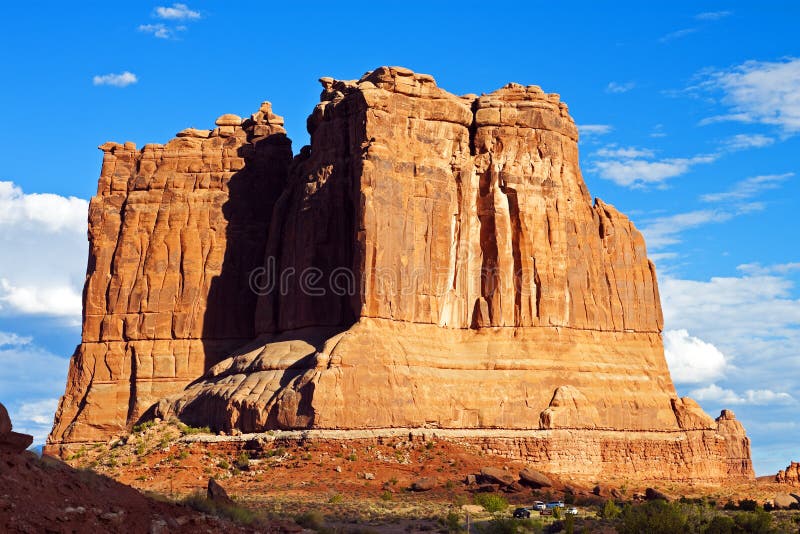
(141, 427)
(336, 499)
(500, 526)
(491, 503)
(312, 520)
(242, 462)
(223, 464)
(748, 505)
(386, 495)
(352, 457)
(610, 510)
(233, 512)
(654, 517)
(757, 522)
(720, 524)
(187, 430)
(451, 522)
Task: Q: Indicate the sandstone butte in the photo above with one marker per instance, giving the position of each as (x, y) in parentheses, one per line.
(464, 281)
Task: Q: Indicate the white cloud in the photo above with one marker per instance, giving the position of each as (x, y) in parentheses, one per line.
(589, 130)
(691, 360)
(677, 35)
(10, 339)
(748, 188)
(158, 30)
(756, 269)
(30, 379)
(713, 15)
(658, 131)
(636, 167)
(758, 92)
(43, 266)
(617, 87)
(714, 393)
(664, 231)
(629, 152)
(745, 141)
(176, 12)
(123, 79)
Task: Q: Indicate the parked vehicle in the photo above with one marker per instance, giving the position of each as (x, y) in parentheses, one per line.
(539, 505)
(571, 511)
(522, 513)
(555, 504)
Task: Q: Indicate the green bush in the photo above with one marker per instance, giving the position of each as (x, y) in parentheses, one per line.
(312, 520)
(500, 526)
(336, 499)
(758, 522)
(610, 510)
(237, 514)
(721, 524)
(654, 517)
(386, 495)
(452, 522)
(748, 505)
(187, 430)
(491, 503)
(242, 462)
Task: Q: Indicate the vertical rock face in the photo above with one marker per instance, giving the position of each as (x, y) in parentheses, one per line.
(174, 232)
(432, 260)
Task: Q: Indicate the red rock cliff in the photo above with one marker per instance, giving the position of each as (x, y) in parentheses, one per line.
(457, 276)
(174, 231)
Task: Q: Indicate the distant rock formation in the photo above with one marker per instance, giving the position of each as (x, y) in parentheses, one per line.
(790, 475)
(10, 441)
(429, 261)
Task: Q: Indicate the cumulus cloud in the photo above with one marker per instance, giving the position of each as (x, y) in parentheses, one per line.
(723, 396)
(748, 188)
(123, 79)
(620, 87)
(45, 248)
(29, 378)
(12, 339)
(692, 360)
(176, 12)
(158, 30)
(762, 92)
(632, 167)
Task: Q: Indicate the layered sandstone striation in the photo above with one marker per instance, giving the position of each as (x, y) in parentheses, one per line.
(429, 261)
(174, 231)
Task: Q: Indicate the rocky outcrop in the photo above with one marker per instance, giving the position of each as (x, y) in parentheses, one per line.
(429, 261)
(10, 441)
(737, 444)
(790, 475)
(174, 232)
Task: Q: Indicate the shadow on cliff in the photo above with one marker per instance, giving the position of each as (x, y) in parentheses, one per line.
(228, 322)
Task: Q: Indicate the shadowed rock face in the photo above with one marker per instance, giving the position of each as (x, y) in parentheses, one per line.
(461, 278)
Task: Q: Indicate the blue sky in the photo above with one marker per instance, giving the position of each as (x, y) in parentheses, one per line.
(689, 116)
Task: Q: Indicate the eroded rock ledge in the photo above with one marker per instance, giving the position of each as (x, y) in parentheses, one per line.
(468, 282)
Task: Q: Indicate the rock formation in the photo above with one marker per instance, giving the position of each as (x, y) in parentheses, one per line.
(430, 260)
(174, 231)
(10, 441)
(790, 475)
